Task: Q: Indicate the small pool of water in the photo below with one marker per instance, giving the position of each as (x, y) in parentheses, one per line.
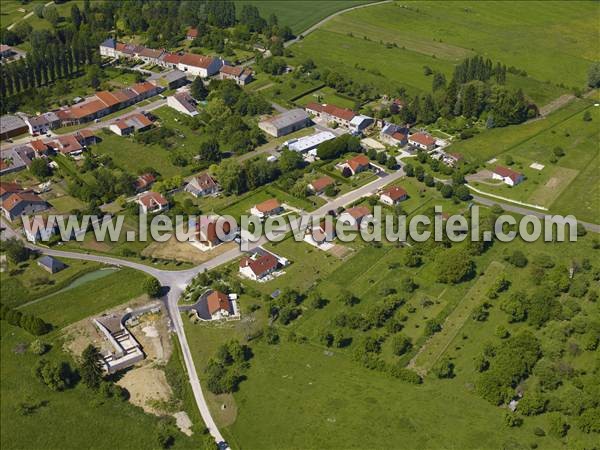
(86, 278)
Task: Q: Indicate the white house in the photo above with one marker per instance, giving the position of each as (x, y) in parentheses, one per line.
(267, 208)
(184, 103)
(354, 216)
(152, 202)
(219, 306)
(109, 48)
(202, 185)
(393, 195)
(422, 140)
(258, 266)
(199, 65)
(508, 176)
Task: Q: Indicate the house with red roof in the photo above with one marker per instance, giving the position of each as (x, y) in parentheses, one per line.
(144, 181)
(355, 165)
(208, 230)
(8, 188)
(331, 113)
(202, 185)
(67, 145)
(133, 123)
(267, 208)
(354, 216)
(241, 75)
(152, 202)
(191, 33)
(22, 203)
(259, 266)
(423, 141)
(219, 305)
(392, 134)
(320, 184)
(508, 176)
(199, 65)
(393, 195)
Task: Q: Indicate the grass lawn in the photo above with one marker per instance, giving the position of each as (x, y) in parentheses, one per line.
(299, 14)
(76, 304)
(131, 156)
(75, 418)
(29, 281)
(327, 95)
(568, 185)
(283, 90)
(516, 36)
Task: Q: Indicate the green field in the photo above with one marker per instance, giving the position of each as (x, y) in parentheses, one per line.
(388, 45)
(568, 185)
(299, 14)
(27, 281)
(76, 304)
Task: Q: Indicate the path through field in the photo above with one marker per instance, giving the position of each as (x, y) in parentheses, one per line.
(435, 347)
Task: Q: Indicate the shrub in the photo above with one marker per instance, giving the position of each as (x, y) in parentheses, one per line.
(38, 347)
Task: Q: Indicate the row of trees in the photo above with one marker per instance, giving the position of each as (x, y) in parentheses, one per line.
(32, 324)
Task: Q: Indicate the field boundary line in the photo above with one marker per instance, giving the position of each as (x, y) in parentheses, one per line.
(506, 199)
(492, 270)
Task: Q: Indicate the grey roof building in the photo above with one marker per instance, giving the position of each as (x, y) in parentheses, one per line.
(175, 79)
(12, 126)
(285, 123)
(51, 264)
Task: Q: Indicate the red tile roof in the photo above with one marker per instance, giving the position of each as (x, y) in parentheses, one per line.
(143, 87)
(38, 145)
(150, 199)
(321, 183)
(268, 205)
(217, 301)
(357, 162)
(508, 173)
(190, 59)
(144, 180)
(151, 53)
(171, 58)
(261, 265)
(332, 110)
(205, 181)
(358, 212)
(68, 144)
(9, 188)
(423, 139)
(394, 192)
(107, 98)
(18, 197)
(86, 109)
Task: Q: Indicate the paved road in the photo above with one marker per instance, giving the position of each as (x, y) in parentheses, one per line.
(525, 211)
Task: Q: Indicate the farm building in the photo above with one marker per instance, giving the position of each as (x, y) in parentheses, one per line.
(285, 123)
(309, 143)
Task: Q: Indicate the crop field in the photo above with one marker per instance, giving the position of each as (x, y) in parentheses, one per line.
(516, 35)
(300, 14)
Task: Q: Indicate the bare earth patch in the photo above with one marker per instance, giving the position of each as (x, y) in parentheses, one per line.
(551, 190)
(146, 385)
(183, 251)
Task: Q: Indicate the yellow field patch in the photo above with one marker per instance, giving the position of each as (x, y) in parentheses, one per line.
(547, 193)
